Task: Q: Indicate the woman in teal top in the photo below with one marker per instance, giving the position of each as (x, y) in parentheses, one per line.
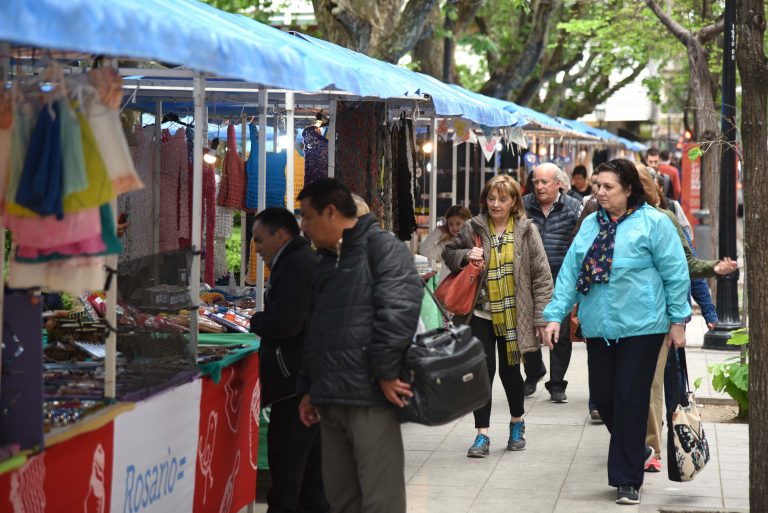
(627, 271)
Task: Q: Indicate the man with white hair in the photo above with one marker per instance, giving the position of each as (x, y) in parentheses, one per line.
(555, 215)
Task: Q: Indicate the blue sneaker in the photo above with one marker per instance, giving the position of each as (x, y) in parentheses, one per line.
(481, 448)
(516, 436)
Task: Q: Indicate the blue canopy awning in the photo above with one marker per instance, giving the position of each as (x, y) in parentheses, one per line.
(179, 32)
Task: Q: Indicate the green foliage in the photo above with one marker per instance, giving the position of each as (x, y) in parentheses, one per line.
(233, 250)
(695, 153)
(732, 375)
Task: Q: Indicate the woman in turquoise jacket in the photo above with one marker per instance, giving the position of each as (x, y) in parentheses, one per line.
(627, 271)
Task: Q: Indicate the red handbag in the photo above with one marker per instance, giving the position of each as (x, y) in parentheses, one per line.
(457, 291)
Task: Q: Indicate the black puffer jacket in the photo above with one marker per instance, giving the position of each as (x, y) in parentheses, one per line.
(366, 305)
(282, 323)
(556, 229)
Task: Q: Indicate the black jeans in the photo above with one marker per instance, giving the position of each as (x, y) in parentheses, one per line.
(559, 360)
(510, 374)
(294, 462)
(620, 377)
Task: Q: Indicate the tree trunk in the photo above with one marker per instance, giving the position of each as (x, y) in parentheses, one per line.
(707, 129)
(753, 67)
(428, 53)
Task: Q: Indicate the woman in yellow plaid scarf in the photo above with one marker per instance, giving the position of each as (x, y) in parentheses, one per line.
(515, 286)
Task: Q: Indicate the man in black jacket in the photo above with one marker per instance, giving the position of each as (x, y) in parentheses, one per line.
(555, 215)
(366, 301)
(293, 448)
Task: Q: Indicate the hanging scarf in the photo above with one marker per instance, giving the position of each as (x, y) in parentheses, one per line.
(597, 263)
(501, 288)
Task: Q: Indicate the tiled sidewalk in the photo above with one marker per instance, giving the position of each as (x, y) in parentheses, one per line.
(563, 470)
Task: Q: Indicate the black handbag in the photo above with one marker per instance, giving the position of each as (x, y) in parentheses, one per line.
(448, 373)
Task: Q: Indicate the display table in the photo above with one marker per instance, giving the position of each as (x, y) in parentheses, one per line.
(193, 448)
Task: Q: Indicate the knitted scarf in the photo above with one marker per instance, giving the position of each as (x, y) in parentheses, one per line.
(597, 263)
(501, 288)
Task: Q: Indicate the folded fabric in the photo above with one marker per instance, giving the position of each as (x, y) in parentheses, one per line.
(111, 142)
(40, 183)
(46, 232)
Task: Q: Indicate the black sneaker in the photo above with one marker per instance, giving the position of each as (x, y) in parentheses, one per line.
(558, 397)
(480, 448)
(627, 495)
(531, 383)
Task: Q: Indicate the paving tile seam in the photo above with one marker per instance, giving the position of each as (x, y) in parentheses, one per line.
(570, 465)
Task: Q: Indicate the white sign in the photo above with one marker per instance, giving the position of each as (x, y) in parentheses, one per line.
(156, 453)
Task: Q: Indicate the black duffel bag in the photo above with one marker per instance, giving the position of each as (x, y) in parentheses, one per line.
(448, 374)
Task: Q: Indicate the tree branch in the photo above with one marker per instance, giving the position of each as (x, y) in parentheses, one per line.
(674, 27)
(404, 36)
(710, 32)
(604, 95)
(519, 70)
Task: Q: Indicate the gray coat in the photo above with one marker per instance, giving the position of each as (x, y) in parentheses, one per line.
(556, 229)
(533, 281)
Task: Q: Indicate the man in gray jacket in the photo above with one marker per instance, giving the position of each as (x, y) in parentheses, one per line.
(555, 215)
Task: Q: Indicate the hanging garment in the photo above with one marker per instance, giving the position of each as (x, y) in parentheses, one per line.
(75, 178)
(6, 128)
(209, 222)
(221, 232)
(403, 179)
(111, 142)
(138, 239)
(315, 155)
(71, 276)
(276, 162)
(356, 162)
(23, 119)
(298, 177)
(250, 278)
(106, 243)
(40, 183)
(233, 181)
(47, 232)
(173, 180)
(109, 84)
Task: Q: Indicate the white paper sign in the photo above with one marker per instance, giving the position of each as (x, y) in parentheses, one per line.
(156, 453)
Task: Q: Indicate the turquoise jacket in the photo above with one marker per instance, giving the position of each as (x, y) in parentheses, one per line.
(648, 286)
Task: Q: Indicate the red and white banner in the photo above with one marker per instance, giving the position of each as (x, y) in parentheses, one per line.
(156, 453)
(73, 476)
(228, 443)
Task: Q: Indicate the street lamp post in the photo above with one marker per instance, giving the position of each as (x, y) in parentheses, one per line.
(600, 116)
(727, 286)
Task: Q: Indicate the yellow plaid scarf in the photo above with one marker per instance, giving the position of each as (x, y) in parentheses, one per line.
(501, 288)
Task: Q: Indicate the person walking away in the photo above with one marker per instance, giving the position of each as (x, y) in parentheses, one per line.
(627, 270)
(666, 168)
(667, 385)
(580, 186)
(555, 214)
(432, 247)
(293, 448)
(513, 290)
(365, 308)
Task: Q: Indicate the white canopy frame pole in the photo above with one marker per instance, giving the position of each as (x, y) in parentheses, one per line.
(290, 137)
(482, 167)
(454, 174)
(433, 179)
(157, 158)
(467, 148)
(262, 199)
(244, 237)
(496, 159)
(201, 129)
(332, 139)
